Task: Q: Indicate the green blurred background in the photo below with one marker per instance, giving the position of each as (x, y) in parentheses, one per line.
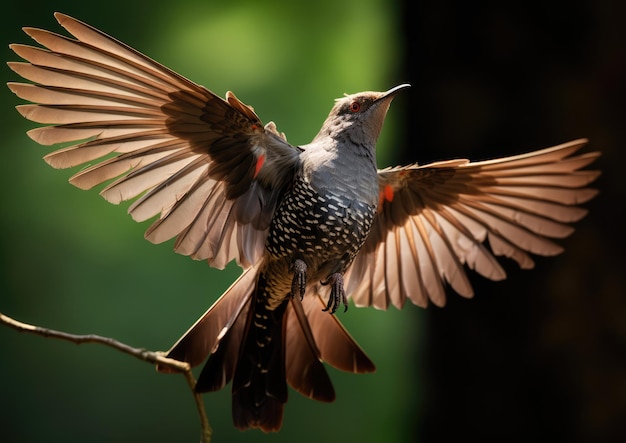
(75, 263)
(541, 354)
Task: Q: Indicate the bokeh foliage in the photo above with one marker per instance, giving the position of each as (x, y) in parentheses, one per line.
(71, 261)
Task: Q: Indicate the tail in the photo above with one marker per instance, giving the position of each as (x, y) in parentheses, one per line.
(262, 350)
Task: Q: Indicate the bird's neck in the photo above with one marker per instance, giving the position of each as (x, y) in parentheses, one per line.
(341, 168)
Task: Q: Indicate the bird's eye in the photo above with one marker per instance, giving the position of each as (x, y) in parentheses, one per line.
(355, 106)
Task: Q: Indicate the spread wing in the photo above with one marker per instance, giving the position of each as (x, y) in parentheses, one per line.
(435, 219)
(205, 164)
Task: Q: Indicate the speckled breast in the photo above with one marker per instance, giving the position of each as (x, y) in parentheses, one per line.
(319, 228)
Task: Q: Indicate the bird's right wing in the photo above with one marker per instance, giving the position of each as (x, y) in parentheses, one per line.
(207, 165)
(433, 220)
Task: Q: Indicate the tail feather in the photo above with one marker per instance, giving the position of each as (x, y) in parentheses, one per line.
(220, 367)
(266, 415)
(205, 335)
(259, 384)
(336, 345)
(305, 370)
(263, 350)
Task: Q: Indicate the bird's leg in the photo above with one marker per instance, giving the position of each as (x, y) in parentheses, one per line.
(337, 293)
(298, 284)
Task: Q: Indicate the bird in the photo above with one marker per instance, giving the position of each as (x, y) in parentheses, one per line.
(312, 226)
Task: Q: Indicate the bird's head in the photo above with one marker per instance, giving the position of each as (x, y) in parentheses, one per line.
(359, 116)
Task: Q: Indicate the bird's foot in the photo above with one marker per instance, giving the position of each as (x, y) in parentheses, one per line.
(298, 284)
(337, 293)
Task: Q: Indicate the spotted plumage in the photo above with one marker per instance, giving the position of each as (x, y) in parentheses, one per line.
(310, 225)
(317, 228)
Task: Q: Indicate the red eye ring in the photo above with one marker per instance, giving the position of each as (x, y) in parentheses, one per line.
(355, 107)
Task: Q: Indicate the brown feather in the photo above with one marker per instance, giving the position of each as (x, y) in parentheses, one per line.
(335, 344)
(442, 213)
(303, 363)
(153, 127)
(204, 336)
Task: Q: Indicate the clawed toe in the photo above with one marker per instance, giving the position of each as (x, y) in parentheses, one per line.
(337, 293)
(298, 284)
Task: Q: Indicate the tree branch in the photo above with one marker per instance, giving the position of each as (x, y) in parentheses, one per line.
(142, 354)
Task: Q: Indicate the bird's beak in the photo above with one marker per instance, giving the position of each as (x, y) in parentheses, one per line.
(392, 92)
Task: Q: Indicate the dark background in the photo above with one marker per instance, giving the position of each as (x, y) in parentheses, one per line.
(541, 354)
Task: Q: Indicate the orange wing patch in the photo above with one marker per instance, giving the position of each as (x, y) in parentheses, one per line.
(386, 195)
(259, 164)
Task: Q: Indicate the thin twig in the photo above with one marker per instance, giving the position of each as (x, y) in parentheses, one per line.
(142, 354)
(207, 430)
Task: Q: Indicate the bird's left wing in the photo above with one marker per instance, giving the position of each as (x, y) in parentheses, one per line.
(434, 219)
(207, 165)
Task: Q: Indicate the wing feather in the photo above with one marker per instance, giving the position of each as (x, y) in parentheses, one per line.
(447, 215)
(152, 135)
